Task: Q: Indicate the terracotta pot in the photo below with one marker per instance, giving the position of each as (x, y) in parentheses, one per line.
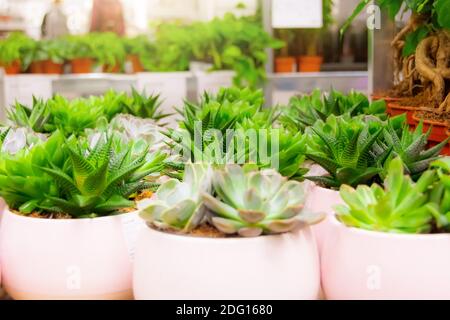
(112, 69)
(359, 264)
(82, 65)
(68, 259)
(37, 67)
(136, 65)
(51, 67)
(438, 131)
(322, 200)
(388, 99)
(310, 63)
(13, 68)
(395, 109)
(285, 65)
(177, 267)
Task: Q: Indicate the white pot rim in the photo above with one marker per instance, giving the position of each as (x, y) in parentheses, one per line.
(237, 239)
(385, 235)
(64, 221)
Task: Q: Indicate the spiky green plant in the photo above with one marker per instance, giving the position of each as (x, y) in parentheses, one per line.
(343, 148)
(257, 202)
(410, 146)
(23, 184)
(400, 207)
(145, 106)
(304, 111)
(38, 118)
(98, 181)
(440, 195)
(3, 136)
(179, 206)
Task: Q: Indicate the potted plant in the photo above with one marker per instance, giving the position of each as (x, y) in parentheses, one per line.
(285, 63)
(311, 61)
(13, 52)
(415, 65)
(55, 54)
(135, 48)
(382, 247)
(81, 54)
(108, 50)
(74, 198)
(207, 240)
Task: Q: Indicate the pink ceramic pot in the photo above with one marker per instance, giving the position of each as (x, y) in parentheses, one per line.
(322, 200)
(169, 266)
(359, 264)
(68, 259)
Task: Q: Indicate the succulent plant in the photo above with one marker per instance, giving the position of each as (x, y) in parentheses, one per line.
(38, 118)
(400, 207)
(178, 205)
(257, 202)
(440, 194)
(143, 106)
(411, 146)
(304, 111)
(343, 148)
(15, 139)
(98, 181)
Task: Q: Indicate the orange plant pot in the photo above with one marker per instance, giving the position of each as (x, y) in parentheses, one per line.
(310, 63)
(82, 65)
(51, 67)
(112, 69)
(135, 63)
(37, 67)
(395, 109)
(285, 65)
(388, 99)
(439, 131)
(12, 68)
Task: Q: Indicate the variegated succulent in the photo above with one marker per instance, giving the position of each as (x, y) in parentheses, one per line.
(251, 203)
(178, 205)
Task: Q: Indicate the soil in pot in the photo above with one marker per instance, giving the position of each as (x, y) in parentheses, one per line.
(82, 65)
(12, 68)
(51, 67)
(37, 67)
(285, 65)
(310, 63)
(136, 65)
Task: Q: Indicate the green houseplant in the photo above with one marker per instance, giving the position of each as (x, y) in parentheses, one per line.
(241, 202)
(15, 52)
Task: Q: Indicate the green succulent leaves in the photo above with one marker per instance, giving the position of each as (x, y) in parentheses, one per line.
(257, 202)
(400, 207)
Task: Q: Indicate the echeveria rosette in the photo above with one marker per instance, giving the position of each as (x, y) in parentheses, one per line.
(400, 207)
(178, 205)
(251, 203)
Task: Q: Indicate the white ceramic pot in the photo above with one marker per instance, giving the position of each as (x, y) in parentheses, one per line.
(68, 259)
(169, 266)
(322, 200)
(359, 264)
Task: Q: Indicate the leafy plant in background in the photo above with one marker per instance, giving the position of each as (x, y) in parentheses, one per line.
(108, 49)
(400, 207)
(55, 50)
(98, 181)
(17, 47)
(139, 46)
(257, 202)
(398, 140)
(305, 110)
(343, 148)
(179, 205)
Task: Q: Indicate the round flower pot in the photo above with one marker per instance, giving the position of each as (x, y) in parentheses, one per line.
(169, 266)
(310, 63)
(37, 67)
(285, 65)
(82, 65)
(51, 67)
(12, 68)
(322, 200)
(112, 69)
(136, 65)
(359, 264)
(68, 259)
(395, 109)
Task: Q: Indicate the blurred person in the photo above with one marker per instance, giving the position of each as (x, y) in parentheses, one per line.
(107, 16)
(54, 24)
